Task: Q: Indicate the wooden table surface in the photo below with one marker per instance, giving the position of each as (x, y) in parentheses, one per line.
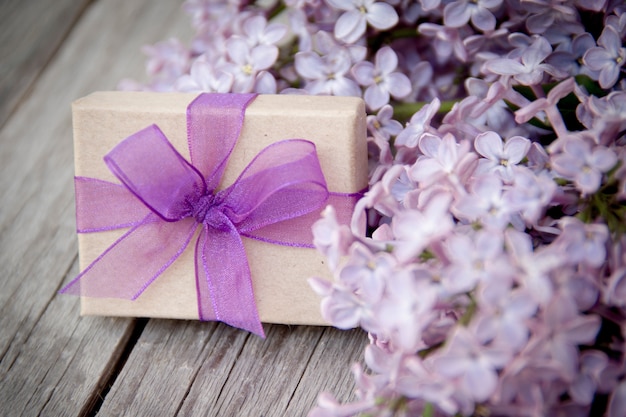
(55, 363)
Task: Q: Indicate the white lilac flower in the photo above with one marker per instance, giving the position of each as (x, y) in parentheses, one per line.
(474, 258)
(459, 12)
(570, 60)
(529, 68)
(542, 15)
(167, 60)
(405, 310)
(416, 229)
(474, 364)
(531, 193)
(583, 163)
(382, 123)
(607, 58)
(331, 238)
(607, 114)
(245, 62)
(257, 31)
(442, 158)
(504, 316)
(533, 267)
(352, 24)
(419, 123)
(381, 79)
(492, 111)
(448, 41)
(364, 274)
(204, 77)
(498, 157)
(485, 203)
(327, 75)
(562, 331)
(582, 242)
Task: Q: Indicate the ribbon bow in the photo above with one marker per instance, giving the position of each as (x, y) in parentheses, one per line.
(165, 199)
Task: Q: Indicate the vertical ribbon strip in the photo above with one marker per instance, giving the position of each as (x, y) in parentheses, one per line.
(164, 199)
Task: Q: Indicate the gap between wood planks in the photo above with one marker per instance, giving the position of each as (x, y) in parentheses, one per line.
(93, 405)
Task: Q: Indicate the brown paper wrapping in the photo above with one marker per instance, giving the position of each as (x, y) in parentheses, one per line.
(279, 273)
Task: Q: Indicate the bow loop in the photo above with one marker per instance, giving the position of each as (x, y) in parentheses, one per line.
(283, 181)
(149, 166)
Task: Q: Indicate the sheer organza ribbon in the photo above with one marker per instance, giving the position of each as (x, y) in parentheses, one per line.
(164, 199)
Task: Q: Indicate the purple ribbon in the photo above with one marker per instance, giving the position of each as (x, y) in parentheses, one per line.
(164, 200)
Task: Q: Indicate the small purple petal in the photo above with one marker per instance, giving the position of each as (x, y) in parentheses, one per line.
(382, 16)
(376, 97)
(386, 60)
(399, 85)
(350, 26)
(456, 14)
(363, 73)
(489, 145)
(483, 19)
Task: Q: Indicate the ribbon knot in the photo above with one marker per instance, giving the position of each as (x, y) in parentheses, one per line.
(165, 199)
(200, 207)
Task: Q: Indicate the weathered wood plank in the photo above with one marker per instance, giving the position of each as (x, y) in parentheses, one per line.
(329, 370)
(57, 370)
(165, 363)
(30, 33)
(207, 369)
(265, 376)
(52, 361)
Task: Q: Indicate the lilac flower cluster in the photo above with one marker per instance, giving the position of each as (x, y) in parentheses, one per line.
(487, 261)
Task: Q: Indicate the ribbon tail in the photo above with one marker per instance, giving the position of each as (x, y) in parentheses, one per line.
(127, 267)
(103, 205)
(298, 232)
(223, 279)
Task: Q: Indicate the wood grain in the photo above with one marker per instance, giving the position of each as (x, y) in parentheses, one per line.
(31, 31)
(47, 353)
(55, 363)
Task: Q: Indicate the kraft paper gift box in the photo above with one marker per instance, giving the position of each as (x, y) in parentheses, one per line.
(279, 273)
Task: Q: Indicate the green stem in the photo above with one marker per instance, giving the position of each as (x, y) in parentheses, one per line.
(276, 10)
(404, 111)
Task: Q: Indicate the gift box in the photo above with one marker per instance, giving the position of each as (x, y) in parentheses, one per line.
(118, 124)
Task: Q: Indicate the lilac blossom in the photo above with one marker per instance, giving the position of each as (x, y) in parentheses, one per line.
(607, 115)
(328, 74)
(418, 124)
(531, 194)
(474, 364)
(583, 163)
(607, 58)
(381, 79)
(448, 41)
(504, 316)
(443, 158)
(257, 31)
(499, 157)
(382, 123)
(459, 12)
(352, 24)
(473, 259)
(529, 68)
(203, 77)
(585, 243)
(570, 60)
(246, 62)
(485, 203)
(416, 229)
